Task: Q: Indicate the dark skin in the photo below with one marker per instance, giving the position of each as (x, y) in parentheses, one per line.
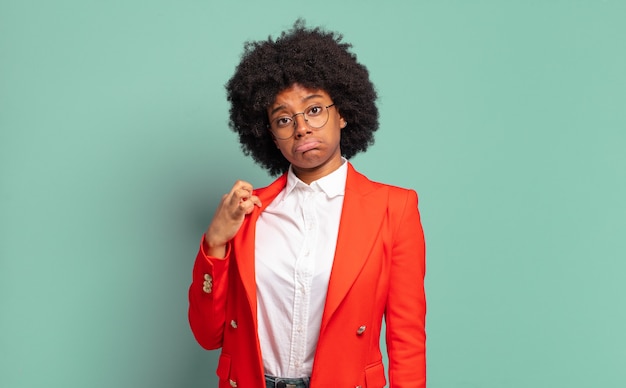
(312, 152)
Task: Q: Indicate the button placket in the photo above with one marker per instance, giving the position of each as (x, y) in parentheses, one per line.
(304, 268)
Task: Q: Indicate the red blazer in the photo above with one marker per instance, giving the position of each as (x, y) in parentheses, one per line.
(378, 269)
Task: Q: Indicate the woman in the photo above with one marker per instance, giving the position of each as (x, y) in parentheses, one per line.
(292, 280)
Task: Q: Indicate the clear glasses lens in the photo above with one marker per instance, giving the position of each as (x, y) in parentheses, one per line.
(316, 116)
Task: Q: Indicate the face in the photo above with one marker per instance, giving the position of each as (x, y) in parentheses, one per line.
(312, 152)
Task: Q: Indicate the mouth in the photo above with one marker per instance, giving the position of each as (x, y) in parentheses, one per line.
(307, 146)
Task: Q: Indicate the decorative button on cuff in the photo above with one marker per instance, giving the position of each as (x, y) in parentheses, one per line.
(207, 286)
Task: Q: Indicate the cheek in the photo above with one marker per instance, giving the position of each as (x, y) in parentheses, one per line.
(284, 150)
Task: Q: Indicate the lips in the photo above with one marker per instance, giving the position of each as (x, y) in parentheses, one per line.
(309, 145)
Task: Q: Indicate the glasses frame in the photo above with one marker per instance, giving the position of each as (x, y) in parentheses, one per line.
(294, 124)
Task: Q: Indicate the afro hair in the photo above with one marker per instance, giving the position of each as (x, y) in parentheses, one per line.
(312, 58)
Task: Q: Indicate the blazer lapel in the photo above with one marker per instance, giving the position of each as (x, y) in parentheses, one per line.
(360, 223)
(244, 246)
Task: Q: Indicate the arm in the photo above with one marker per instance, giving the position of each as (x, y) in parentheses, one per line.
(207, 309)
(207, 302)
(406, 302)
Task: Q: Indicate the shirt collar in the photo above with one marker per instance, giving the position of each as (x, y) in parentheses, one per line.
(333, 184)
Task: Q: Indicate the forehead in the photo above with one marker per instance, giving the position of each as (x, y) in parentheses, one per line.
(297, 95)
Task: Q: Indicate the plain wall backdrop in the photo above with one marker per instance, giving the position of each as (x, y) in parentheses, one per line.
(507, 117)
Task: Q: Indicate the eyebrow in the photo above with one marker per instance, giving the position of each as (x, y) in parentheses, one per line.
(307, 98)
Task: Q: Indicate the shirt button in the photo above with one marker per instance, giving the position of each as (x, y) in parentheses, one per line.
(361, 330)
(233, 324)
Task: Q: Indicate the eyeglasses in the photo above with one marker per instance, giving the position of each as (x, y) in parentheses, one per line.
(316, 116)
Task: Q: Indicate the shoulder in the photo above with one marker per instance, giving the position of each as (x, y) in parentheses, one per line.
(358, 181)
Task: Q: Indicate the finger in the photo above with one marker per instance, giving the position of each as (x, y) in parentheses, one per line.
(240, 196)
(246, 207)
(255, 200)
(242, 185)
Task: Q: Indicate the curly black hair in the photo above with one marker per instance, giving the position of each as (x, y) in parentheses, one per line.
(315, 59)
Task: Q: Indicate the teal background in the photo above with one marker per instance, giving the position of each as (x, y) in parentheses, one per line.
(507, 117)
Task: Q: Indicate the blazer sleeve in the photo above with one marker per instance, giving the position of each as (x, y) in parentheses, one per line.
(405, 313)
(207, 305)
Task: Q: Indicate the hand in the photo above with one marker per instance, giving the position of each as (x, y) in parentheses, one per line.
(229, 216)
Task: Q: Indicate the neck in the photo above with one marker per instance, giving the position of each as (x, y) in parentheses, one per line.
(310, 175)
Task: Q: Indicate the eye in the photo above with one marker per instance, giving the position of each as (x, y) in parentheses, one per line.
(282, 122)
(314, 110)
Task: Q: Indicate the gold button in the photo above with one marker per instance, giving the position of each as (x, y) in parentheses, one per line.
(233, 323)
(207, 286)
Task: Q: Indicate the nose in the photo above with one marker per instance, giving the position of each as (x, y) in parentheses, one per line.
(300, 125)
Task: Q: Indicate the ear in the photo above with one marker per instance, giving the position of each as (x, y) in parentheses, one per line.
(342, 121)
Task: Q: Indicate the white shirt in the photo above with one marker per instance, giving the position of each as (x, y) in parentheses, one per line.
(296, 237)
